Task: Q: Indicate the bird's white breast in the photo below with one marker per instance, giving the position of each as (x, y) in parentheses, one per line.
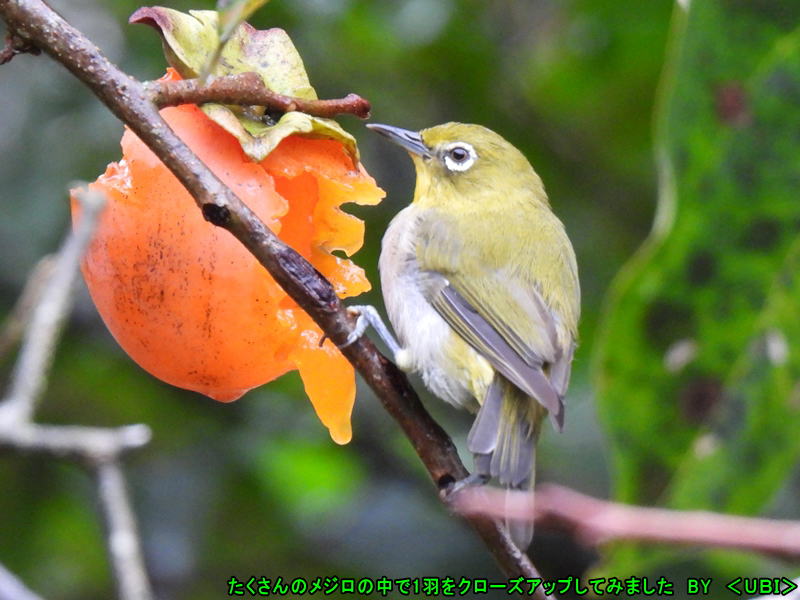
(424, 335)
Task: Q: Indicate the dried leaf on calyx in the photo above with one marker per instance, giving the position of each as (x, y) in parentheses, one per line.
(191, 40)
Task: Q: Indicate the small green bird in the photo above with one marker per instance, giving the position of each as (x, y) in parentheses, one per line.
(481, 286)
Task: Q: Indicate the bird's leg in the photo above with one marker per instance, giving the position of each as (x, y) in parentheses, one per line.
(479, 476)
(367, 315)
(475, 479)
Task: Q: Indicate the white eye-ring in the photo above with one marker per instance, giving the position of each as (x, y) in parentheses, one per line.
(459, 156)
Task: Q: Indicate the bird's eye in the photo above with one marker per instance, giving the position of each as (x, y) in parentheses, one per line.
(459, 156)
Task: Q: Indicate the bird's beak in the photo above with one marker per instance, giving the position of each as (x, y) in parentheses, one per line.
(410, 140)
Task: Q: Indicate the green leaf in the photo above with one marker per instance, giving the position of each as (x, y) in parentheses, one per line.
(696, 366)
(190, 42)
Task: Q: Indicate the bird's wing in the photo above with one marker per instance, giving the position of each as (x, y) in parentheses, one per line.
(500, 310)
(477, 312)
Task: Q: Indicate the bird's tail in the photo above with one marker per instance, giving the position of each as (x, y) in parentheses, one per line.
(503, 441)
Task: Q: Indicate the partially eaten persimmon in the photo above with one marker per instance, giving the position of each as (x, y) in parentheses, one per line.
(189, 303)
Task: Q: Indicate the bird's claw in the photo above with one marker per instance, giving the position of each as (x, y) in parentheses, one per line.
(362, 322)
(367, 315)
(473, 480)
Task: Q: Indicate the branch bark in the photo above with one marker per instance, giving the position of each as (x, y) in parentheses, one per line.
(593, 522)
(13, 46)
(248, 89)
(129, 100)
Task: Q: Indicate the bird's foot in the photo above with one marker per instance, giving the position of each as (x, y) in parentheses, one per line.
(367, 315)
(472, 480)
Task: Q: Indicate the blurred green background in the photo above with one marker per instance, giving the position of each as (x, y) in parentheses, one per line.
(684, 387)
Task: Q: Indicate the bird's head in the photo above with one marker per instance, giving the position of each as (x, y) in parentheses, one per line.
(461, 163)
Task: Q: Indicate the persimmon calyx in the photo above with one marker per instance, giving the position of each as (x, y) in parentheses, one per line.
(191, 40)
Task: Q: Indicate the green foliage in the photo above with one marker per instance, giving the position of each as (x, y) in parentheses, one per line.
(306, 478)
(697, 365)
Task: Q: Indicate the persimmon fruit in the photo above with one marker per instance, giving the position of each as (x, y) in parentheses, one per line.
(189, 303)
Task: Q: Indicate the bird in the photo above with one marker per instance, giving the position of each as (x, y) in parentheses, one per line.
(480, 283)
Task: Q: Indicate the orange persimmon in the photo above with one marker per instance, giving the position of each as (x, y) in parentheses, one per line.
(189, 303)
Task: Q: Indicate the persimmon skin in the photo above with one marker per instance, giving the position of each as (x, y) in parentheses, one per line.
(189, 303)
(184, 299)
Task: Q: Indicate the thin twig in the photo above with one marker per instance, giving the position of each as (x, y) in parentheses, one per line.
(121, 535)
(29, 377)
(129, 101)
(592, 521)
(11, 588)
(15, 45)
(98, 448)
(248, 89)
(14, 326)
(88, 445)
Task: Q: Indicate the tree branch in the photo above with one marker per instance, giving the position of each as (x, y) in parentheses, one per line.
(98, 448)
(28, 379)
(90, 445)
(248, 89)
(15, 45)
(593, 522)
(14, 326)
(128, 99)
(121, 536)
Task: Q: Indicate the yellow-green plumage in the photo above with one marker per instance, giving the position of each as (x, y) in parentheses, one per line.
(481, 286)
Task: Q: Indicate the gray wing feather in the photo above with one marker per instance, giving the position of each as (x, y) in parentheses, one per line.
(531, 300)
(530, 378)
(560, 371)
(482, 438)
